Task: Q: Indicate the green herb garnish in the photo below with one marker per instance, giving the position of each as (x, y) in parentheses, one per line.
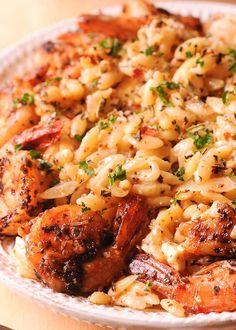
(200, 62)
(188, 54)
(35, 154)
(149, 51)
(84, 207)
(232, 53)
(51, 80)
(26, 99)
(54, 182)
(94, 83)
(119, 175)
(102, 105)
(201, 141)
(79, 137)
(225, 97)
(83, 165)
(161, 91)
(113, 45)
(18, 147)
(176, 199)
(105, 124)
(180, 173)
(44, 164)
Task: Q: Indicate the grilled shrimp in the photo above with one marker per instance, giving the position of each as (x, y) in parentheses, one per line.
(20, 183)
(74, 252)
(21, 180)
(212, 289)
(14, 121)
(211, 236)
(119, 27)
(142, 8)
(125, 28)
(40, 136)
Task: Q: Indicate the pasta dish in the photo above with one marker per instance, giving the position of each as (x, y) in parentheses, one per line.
(118, 162)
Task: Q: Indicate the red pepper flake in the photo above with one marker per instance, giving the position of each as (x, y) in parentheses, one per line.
(227, 135)
(137, 73)
(136, 106)
(145, 130)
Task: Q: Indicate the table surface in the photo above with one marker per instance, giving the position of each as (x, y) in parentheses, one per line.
(18, 312)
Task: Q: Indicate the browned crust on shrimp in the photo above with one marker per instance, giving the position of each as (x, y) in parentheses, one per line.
(114, 27)
(74, 252)
(20, 183)
(40, 136)
(213, 289)
(211, 236)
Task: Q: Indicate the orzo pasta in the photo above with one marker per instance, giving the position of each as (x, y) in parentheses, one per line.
(118, 162)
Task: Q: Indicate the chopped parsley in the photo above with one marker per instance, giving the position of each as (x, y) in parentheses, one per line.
(225, 97)
(26, 99)
(152, 50)
(149, 51)
(161, 91)
(51, 80)
(59, 168)
(79, 137)
(119, 175)
(105, 124)
(83, 165)
(188, 54)
(176, 199)
(102, 105)
(234, 202)
(54, 182)
(201, 141)
(149, 283)
(180, 173)
(112, 119)
(44, 164)
(232, 53)
(113, 45)
(200, 62)
(94, 83)
(18, 147)
(84, 207)
(148, 286)
(35, 154)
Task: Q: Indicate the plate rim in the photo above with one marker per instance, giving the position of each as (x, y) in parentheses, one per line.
(109, 316)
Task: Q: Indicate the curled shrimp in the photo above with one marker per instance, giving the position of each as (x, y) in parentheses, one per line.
(77, 252)
(212, 289)
(143, 8)
(21, 179)
(40, 136)
(211, 236)
(14, 121)
(20, 183)
(125, 28)
(119, 27)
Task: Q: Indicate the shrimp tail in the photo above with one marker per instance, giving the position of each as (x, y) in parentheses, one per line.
(131, 220)
(163, 277)
(213, 289)
(40, 136)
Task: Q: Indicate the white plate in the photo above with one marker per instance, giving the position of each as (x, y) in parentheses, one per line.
(17, 59)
